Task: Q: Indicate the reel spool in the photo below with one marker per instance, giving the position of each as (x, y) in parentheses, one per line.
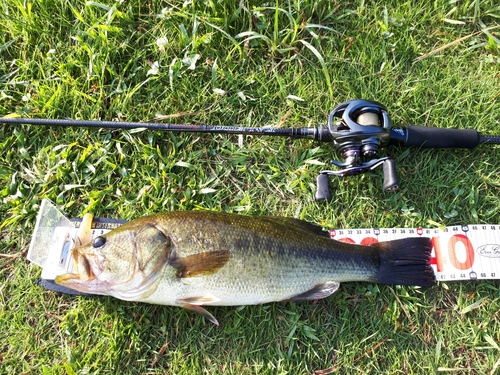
(358, 129)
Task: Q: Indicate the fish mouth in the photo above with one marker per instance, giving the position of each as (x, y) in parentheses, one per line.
(82, 267)
(82, 273)
(67, 279)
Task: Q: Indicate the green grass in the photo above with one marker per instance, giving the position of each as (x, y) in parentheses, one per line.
(226, 64)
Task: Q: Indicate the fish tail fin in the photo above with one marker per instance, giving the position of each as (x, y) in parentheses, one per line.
(405, 262)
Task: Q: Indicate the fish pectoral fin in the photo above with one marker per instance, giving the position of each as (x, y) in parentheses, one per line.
(201, 264)
(317, 292)
(200, 310)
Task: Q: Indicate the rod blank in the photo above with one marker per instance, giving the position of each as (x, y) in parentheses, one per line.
(320, 133)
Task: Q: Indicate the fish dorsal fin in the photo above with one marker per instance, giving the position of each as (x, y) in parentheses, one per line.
(297, 224)
(317, 292)
(200, 264)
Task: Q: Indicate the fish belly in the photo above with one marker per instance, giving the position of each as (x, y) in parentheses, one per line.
(245, 287)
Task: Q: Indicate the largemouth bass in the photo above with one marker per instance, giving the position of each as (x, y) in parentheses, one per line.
(191, 259)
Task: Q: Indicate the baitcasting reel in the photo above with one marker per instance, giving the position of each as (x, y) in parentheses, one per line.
(358, 129)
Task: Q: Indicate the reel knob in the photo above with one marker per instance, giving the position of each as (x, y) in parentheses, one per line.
(323, 188)
(391, 182)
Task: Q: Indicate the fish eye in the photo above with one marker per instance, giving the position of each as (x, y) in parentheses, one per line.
(98, 242)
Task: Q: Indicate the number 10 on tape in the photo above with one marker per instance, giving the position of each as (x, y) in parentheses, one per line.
(466, 252)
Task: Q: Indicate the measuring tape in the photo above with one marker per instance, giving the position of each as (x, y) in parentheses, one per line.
(465, 252)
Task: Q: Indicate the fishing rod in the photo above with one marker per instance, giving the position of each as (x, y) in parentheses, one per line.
(357, 130)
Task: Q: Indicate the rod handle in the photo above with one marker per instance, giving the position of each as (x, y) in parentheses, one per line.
(425, 137)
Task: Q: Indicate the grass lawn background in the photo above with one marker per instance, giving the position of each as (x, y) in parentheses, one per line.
(248, 63)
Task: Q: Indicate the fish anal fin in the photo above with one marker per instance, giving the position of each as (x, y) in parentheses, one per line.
(317, 292)
(200, 310)
(201, 264)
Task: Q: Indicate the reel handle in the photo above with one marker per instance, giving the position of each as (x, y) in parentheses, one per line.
(391, 182)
